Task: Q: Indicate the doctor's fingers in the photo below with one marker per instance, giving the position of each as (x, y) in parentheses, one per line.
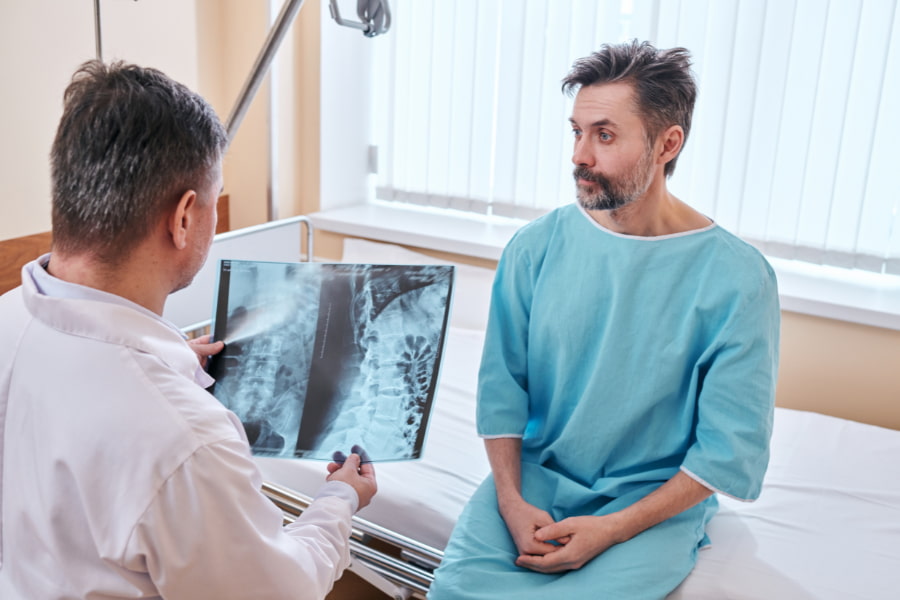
(351, 468)
(367, 470)
(360, 477)
(365, 467)
(363, 455)
(203, 349)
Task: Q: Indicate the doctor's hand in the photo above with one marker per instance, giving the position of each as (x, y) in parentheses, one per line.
(580, 538)
(204, 349)
(523, 520)
(357, 471)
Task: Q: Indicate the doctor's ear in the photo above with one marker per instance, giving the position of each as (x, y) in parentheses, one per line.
(181, 218)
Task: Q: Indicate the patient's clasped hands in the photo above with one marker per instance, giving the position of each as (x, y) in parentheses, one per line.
(548, 546)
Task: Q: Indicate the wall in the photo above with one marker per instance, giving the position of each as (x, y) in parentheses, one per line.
(230, 37)
(840, 368)
(344, 80)
(301, 105)
(41, 44)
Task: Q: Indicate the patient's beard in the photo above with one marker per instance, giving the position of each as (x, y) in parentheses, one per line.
(610, 194)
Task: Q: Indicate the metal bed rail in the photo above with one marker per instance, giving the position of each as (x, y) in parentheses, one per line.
(409, 571)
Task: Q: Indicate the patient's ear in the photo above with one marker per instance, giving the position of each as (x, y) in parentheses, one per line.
(672, 141)
(182, 218)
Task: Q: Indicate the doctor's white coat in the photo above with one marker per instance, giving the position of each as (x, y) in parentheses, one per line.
(123, 478)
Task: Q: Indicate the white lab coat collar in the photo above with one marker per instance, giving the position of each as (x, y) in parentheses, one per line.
(91, 313)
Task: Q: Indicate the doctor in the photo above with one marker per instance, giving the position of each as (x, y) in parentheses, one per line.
(122, 477)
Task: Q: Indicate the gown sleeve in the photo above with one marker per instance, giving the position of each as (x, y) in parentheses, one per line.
(502, 401)
(735, 403)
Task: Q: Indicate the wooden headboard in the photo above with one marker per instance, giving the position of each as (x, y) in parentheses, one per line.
(16, 252)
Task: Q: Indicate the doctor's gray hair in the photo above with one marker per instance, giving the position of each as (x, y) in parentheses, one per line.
(130, 143)
(664, 87)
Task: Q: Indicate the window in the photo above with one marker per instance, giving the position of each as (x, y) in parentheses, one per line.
(791, 141)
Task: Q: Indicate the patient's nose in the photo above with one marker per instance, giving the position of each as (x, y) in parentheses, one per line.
(582, 154)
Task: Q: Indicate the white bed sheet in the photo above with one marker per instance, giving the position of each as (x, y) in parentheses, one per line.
(826, 526)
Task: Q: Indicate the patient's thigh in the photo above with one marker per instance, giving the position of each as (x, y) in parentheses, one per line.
(479, 561)
(480, 549)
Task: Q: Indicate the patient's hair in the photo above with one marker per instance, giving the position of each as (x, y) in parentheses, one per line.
(130, 142)
(664, 86)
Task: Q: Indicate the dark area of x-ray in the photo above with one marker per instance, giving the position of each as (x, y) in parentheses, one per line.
(319, 357)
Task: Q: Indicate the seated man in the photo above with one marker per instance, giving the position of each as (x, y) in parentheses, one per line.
(122, 477)
(629, 363)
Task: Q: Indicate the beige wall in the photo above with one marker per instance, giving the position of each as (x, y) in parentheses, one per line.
(839, 368)
(305, 85)
(41, 44)
(210, 45)
(230, 35)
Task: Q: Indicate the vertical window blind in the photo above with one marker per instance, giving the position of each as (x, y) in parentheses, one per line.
(793, 128)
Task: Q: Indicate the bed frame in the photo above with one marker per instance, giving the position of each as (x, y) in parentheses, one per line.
(399, 566)
(17, 252)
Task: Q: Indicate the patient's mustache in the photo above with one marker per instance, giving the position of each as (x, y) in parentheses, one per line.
(588, 175)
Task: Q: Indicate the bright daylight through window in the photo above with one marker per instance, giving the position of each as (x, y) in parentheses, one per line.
(792, 135)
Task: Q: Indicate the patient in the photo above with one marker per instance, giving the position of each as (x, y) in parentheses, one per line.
(122, 477)
(629, 363)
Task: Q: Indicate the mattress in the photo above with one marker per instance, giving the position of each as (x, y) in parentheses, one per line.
(826, 526)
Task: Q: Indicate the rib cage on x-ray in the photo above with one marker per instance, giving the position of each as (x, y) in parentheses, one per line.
(320, 357)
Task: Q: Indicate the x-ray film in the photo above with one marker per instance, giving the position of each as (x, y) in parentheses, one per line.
(319, 357)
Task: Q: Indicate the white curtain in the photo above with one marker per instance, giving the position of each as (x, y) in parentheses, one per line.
(790, 147)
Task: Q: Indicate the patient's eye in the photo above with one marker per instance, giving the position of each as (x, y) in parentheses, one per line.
(605, 136)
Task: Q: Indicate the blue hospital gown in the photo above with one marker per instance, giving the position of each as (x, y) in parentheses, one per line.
(618, 360)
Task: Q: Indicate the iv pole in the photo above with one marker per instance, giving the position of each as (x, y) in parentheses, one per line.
(276, 34)
(98, 42)
(376, 19)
